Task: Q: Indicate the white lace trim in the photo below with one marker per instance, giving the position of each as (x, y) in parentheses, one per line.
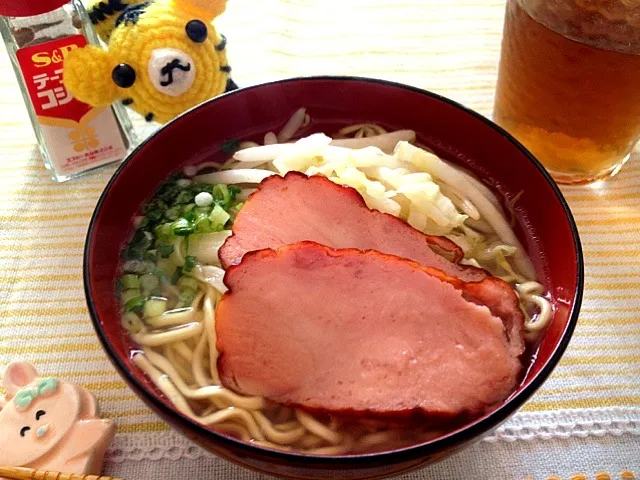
(570, 423)
(523, 426)
(154, 447)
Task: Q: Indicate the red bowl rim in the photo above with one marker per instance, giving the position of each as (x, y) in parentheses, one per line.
(473, 430)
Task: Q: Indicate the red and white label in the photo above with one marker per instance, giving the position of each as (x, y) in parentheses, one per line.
(78, 136)
(41, 67)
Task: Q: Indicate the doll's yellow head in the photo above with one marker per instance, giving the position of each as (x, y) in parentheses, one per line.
(163, 57)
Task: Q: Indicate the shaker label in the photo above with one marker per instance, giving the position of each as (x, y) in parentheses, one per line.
(41, 67)
(78, 136)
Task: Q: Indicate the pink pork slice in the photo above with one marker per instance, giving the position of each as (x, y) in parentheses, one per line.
(364, 333)
(297, 208)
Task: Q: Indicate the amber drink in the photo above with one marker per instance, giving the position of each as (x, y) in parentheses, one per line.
(569, 83)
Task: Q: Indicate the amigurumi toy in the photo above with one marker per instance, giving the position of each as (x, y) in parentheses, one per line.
(163, 57)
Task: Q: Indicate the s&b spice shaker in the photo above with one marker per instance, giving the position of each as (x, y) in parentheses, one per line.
(74, 138)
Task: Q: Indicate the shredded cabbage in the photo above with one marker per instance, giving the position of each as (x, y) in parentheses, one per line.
(426, 161)
(386, 182)
(413, 184)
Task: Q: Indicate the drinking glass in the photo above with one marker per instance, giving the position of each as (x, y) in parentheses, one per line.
(569, 84)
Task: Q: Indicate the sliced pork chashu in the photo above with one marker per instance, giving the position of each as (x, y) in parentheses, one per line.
(345, 331)
(297, 208)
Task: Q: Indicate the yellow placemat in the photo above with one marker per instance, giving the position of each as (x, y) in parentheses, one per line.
(449, 47)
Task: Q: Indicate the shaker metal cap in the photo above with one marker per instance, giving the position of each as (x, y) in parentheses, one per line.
(27, 8)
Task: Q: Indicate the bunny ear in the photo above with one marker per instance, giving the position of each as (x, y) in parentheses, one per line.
(89, 405)
(17, 376)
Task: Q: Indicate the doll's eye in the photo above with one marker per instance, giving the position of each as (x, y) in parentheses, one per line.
(124, 75)
(39, 414)
(196, 31)
(24, 431)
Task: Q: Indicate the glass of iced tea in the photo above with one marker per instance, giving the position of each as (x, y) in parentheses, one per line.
(569, 83)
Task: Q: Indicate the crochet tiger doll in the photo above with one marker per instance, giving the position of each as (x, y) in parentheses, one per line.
(163, 57)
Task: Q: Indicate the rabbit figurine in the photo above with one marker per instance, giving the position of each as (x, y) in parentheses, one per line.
(49, 424)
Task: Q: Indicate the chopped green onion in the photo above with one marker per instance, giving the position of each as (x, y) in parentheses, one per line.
(202, 211)
(186, 298)
(187, 208)
(151, 256)
(166, 250)
(131, 322)
(149, 283)
(163, 232)
(233, 211)
(172, 214)
(135, 304)
(188, 283)
(190, 216)
(179, 209)
(154, 215)
(231, 146)
(129, 294)
(176, 276)
(133, 266)
(146, 267)
(222, 195)
(136, 266)
(155, 307)
(130, 281)
(189, 263)
(202, 224)
(169, 190)
(218, 218)
(184, 197)
(182, 228)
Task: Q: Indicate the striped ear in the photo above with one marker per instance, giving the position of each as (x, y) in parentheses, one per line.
(202, 9)
(104, 13)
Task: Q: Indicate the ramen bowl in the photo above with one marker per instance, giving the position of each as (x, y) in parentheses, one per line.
(543, 223)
